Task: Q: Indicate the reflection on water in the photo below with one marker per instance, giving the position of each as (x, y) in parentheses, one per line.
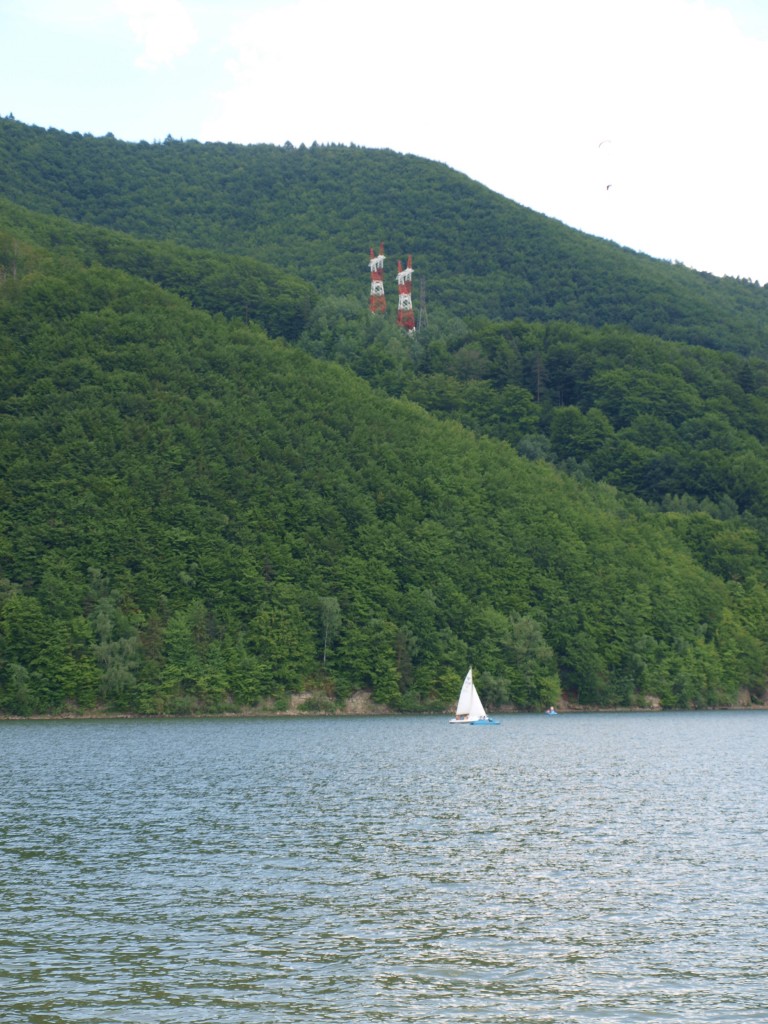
(583, 868)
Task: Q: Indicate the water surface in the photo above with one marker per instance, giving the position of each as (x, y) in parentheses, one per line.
(590, 868)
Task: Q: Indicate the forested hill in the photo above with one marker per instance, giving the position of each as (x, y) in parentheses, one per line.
(222, 482)
(315, 210)
(196, 517)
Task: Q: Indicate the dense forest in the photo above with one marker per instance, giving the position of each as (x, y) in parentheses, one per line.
(315, 211)
(223, 482)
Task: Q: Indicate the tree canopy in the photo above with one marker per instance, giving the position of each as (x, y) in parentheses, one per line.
(222, 481)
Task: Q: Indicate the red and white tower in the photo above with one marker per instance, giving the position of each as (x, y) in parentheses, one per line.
(405, 317)
(377, 302)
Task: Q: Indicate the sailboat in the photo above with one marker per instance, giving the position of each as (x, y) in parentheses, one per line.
(470, 710)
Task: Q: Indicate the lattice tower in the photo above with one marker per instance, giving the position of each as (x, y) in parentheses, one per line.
(405, 316)
(378, 301)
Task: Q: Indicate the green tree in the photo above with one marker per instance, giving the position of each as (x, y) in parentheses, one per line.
(330, 621)
(534, 683)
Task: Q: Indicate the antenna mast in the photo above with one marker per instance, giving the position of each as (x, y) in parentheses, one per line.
(405, 316)
(377, 302)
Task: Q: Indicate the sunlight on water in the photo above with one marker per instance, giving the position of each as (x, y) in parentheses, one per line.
(586, 868)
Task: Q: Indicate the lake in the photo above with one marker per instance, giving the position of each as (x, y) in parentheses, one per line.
(591, 868)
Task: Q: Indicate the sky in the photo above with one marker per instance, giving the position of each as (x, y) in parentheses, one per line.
(641, 121)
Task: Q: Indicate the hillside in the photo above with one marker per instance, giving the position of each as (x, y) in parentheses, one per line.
(236, 286)
(315, 211)
(197, 517)
(222, 482)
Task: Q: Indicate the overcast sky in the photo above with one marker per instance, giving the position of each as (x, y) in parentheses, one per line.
(643, 121)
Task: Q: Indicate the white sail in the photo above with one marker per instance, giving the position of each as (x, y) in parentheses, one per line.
(470, 707)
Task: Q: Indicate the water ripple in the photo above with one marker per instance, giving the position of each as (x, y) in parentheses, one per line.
(593, 868)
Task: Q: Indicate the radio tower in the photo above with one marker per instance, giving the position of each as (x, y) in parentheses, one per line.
(377, 302)
(404, 302)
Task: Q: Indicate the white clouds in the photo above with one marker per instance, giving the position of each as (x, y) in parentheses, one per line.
(164, 29)
(517, 95)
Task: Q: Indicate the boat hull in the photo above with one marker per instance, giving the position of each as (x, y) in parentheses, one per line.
(478, 721)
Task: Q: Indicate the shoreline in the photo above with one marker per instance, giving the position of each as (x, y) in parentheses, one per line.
(96, 715)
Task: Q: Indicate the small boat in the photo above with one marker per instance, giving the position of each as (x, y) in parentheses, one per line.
(550, 712)
(470, 710)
